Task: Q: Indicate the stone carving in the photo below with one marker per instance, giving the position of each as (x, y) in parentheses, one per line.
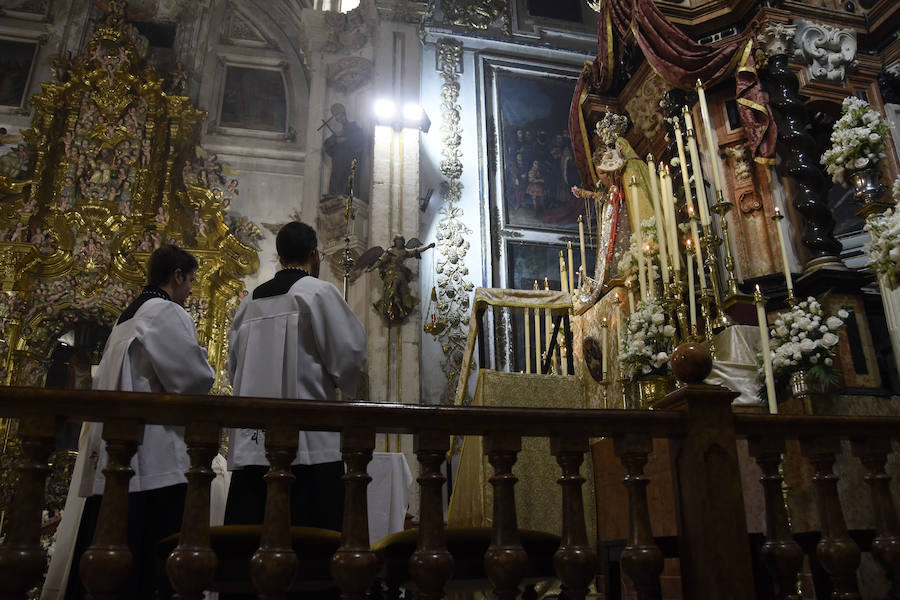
(776, 38)
(351, 31)
(238, 30)
(740, 161)
(350, 73)
(644, 107)
(453, 287)
(474, 14)
(826, 51)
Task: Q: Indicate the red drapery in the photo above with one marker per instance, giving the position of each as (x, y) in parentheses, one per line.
(678, 60)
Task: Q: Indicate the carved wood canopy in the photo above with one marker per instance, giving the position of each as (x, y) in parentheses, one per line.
(107, 173)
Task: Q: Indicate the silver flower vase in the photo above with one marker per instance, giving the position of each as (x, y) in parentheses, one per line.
(869, 191)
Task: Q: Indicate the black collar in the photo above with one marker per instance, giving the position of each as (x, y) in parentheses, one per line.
(150, 291)
(281, 283)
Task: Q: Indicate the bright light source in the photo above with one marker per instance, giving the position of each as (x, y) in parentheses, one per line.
(385, 110)
(412, 114)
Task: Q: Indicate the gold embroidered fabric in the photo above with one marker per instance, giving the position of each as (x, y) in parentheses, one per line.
(538, 498)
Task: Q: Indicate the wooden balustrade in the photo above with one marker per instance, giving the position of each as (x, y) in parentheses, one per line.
(696, 420)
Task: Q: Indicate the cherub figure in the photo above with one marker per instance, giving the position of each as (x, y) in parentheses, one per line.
(396, 301)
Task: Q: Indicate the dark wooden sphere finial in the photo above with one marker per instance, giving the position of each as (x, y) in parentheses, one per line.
(691, 362)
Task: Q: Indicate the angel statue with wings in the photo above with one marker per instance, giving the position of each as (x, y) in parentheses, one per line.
(396, 301)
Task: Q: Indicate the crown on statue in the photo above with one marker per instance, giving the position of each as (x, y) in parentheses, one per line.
(610, 127)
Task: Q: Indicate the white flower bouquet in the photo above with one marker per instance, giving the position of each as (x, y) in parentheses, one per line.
(805, 339)
(857, 140)
(647, 341)
(883, 248)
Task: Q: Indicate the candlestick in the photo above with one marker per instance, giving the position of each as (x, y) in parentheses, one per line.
(630, 295)
(581, 243)
(639, 240)
(766, 355)
(667, 220)
(604, 326)
(692, 303)
(713, 149)
(698, 178)
(695, 236)
(537, 335)
(777, 217)
(672, 234)
(570, 268)
(660, 223)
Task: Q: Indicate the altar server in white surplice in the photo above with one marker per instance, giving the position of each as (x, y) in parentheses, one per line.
(294, 337)
(152, 348)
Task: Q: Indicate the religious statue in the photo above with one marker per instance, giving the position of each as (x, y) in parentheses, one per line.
(344, 145)
(396, 301)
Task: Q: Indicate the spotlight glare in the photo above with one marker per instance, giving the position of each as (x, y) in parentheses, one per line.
(412, 114)
(385, 109)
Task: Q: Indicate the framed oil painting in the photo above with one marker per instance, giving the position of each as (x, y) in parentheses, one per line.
(254, 98)
(533, 151)
(16, 61)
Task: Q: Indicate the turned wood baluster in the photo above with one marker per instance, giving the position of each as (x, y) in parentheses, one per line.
(431, 564)
(106, 565)
(837, 552)
(274, 565)
(354, 565)
(782, 554)
(505, 559)
(192, 565)
(575, 561)
(642, 560)
(886, 546)
(21, 556)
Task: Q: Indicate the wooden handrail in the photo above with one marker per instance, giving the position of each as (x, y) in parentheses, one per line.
(792, 427)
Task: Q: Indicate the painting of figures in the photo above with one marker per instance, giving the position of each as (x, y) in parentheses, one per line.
(15, 67)
(538, 168)
(254, 99)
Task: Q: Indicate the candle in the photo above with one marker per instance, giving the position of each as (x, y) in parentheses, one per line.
(712, 148)
(528, 340)
(548, 322)
(692, 304)
(685, 177)
(618, 324)
(639, 242)
(784, 256)
(603, 348)
(630, 294)
(698, 253)
(672, 233)
(563, 277)
(766, 355)
(698, 177)
(581, 243)
(537, 335)
(688, 120)
(570, 268)
(660, 225)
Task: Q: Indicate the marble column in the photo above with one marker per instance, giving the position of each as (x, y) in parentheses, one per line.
(796, 148)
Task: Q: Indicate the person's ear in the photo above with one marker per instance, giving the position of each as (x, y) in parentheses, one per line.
(178, 277)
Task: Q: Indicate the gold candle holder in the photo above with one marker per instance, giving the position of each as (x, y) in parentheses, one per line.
(722, 208)
(706, 302)
(711, 243)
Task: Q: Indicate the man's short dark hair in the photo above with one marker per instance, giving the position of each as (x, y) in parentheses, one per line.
(167, 259)
(295, 242)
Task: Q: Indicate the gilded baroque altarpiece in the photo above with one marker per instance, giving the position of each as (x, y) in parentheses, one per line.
(108, 172)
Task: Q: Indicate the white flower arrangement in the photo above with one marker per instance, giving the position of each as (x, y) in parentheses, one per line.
(883, 248)
(647, 341)
(805, 339)
(857, 140)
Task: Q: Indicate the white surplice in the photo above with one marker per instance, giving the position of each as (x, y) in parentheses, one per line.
(154, 351)
(304, 344)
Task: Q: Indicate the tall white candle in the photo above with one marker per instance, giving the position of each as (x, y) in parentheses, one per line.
(570, 268)
(698, 252)
(619, 324)
(635, 211)
(711, 147)
(764, 345)
(784, 256)
(528, 340)
(698, 178)
(692, 303)
(630, 294)
(604, 348)
(581, 244)
(563, 276)
(660, 222)
(548, 324)
(672, 233)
